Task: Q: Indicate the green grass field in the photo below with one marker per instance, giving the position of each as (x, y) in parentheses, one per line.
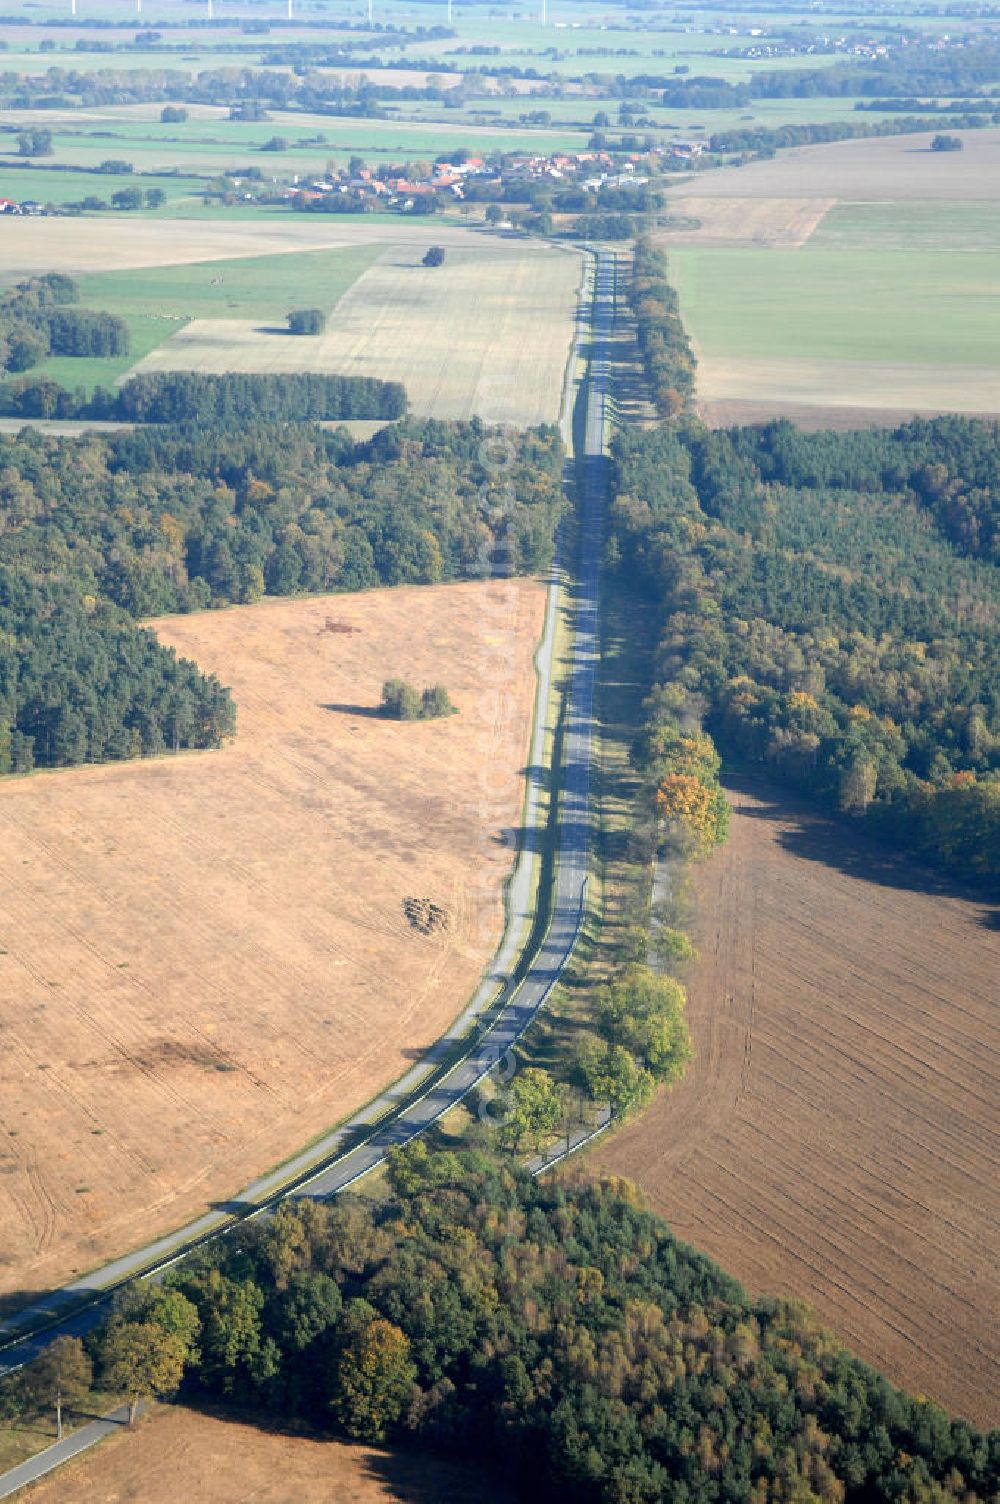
(157, 301)
(52, 186)
(909, 226)
(928, 307)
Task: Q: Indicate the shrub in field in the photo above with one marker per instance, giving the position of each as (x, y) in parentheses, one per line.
(306, 321)
(401, 702)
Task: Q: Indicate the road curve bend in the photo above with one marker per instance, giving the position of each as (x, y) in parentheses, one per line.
(506, 1001)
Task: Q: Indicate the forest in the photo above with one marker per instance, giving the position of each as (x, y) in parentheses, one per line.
(554, 1329)
(817, 611)
(101, 531)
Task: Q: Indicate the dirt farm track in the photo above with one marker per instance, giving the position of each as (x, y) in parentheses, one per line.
(837, 1136)
(206, 960)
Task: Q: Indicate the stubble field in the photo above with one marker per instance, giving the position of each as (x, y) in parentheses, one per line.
(838, 1132)
(205, 960)
(744, 222)
(76, 246)
(184, 1454)
(876, 169)
(488, 332)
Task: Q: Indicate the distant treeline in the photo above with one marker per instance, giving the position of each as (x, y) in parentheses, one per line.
(553, 1329)
(183, 396)
(763, 141)
(666, 350)
(100, 531)
(962, 74)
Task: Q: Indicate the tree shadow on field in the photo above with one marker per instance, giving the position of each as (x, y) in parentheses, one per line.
(410, 1477)
(839, 843)
(371, 712)
(276, 329)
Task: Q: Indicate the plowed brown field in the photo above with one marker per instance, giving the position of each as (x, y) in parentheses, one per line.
(206, 959)
(837, 1135)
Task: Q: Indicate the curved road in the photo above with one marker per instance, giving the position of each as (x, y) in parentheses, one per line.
(503, 1005)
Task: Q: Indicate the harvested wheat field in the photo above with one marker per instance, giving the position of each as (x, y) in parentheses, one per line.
(183, 1454)
(489, 332)
(729, 413)
(784, 384)
(30, 246)
(736, 221)
(208, 959)
(837, 1135)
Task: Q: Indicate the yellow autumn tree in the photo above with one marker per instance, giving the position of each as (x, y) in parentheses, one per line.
(696, 810)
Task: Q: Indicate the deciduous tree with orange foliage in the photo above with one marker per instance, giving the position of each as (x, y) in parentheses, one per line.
(698, 813)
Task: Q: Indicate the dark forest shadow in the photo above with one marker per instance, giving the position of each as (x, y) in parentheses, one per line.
(818, 836)
(422, 1478)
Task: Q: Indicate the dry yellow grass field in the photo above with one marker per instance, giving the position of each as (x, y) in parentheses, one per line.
(205, 959)
(735, 221)
(488, 332)
(837, 1135)
(182, 1454)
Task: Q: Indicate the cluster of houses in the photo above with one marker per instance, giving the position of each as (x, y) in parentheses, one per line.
(25, 206)
(393, 188)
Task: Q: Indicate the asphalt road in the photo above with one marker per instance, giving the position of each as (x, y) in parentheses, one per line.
(61, 1451)
(409, 1107)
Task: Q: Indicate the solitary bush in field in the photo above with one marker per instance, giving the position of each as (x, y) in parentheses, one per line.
(401, 702)
(435, 256)
(436, 701)
(306, 321)
(947, 143)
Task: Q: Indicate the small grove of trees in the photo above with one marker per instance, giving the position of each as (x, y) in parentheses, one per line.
(34, 143)
(681, 768)
(401, 702)
(434, 256)
(640, 1039)
(306, 321)
(173, 114)
(36, 320)
(943, 142)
